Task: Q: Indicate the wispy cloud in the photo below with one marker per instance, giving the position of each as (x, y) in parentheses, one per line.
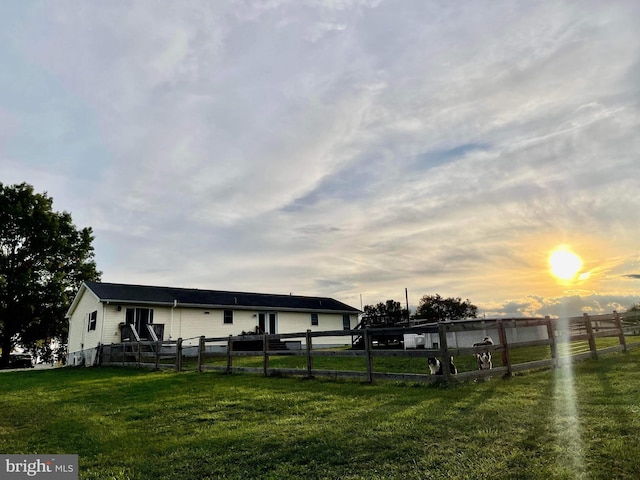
(336, 148)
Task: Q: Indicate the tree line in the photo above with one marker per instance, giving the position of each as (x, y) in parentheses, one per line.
(432, 308)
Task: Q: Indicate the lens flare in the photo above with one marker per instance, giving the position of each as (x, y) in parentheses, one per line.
(566, 415)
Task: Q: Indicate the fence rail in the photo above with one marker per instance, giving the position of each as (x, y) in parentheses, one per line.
(566, 340)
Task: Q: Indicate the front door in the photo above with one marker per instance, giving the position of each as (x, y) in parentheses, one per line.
(268, 322)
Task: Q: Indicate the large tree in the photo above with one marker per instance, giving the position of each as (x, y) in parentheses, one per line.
(43, 260)
(384, 314)
(436, 308)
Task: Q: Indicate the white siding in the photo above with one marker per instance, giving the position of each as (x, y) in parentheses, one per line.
(112, 319)
(191, 323)
(293, 322)
(79, 337)
(194, 322)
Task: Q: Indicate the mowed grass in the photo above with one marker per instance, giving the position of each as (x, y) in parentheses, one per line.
(582, 422)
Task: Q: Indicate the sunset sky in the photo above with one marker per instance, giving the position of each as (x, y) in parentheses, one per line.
(340, 148)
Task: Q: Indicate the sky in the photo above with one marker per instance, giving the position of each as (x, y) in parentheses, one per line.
(343, 148)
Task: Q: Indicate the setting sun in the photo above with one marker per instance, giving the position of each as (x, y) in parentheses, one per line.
(564, 264)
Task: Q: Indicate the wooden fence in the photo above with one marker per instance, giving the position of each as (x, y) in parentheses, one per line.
(566, 340)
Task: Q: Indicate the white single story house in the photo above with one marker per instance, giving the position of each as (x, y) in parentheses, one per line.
(108, 313)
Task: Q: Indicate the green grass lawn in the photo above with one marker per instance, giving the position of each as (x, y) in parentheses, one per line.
(137, 424)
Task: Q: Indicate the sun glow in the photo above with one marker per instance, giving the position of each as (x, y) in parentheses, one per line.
(564, 264)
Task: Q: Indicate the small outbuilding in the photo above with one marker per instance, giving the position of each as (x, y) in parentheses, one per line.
(108, 313)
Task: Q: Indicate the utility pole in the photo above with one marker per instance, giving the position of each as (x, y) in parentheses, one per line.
(406, 296)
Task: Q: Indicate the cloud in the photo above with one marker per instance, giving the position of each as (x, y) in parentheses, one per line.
(337, 148)
(572, 304)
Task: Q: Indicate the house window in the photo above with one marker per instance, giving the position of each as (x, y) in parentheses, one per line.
(314, 319)
(93, 320)
(228, 316)
(346, 322)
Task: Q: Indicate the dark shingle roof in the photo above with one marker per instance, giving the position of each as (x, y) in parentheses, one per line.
(191, 297)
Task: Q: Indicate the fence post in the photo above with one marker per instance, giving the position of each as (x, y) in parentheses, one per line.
(444, 351)
(179, 355)
(139, 352)
(309, 357)
(201, 352)
(623, 341)
(368, 344)
(592, 340)
(506, 360)
(552, 338)
(229, 350)
(158, 348)
(265, 358)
